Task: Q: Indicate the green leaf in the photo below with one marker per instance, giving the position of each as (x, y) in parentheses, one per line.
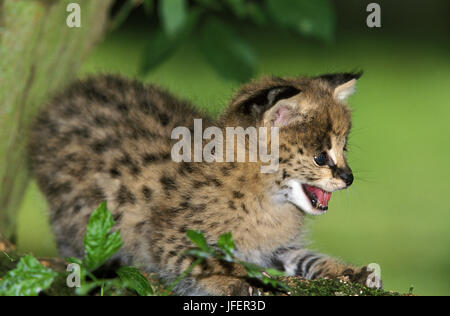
(74, 260)
(134, 279)
(199, 253)
(226, 244)
(161, 46)
(238, 7)
(158, 49)
(314, 18)
(256, 13)
(198, 239)
(232, 57)
(123, 14)
(173, 14)
(99, 243)
(255, 271)
(28, 279)
(148, 6)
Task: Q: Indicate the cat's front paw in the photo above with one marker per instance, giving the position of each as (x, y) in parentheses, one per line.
(366, 276)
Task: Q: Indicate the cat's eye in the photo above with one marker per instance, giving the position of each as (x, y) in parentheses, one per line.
(321, 159)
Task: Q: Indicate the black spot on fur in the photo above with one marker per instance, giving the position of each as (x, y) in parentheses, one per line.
(171, 254)
(126, 159)
(139, 226)
(238, 195)
(198, 184)
(125, 196)
(131, 165)
(101, 121)
(93, 93)
(148, 158)
(117, 217)
(114, 173)
(185, 167)
(70, 111)
(123, 108)
(231, 205)
(171, 239)
(244, 208)
(198, 207)
(56, 189)
(168, 183)
(96, 194)
(226, 170)
(100, 146)
(164, 119)
(45, 123)
(146, 107)
(83, 133)
(147, 193)
(215, 181)
(135, 170)
(76, 209)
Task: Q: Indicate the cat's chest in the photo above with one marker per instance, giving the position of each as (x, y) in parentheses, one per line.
(276, 227)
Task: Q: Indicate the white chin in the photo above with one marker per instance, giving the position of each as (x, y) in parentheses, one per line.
(298, 197)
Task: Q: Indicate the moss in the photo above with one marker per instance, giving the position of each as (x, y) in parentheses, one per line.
(331, 287)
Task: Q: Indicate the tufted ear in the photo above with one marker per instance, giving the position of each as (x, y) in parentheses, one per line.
(259, 103)
(343, 84)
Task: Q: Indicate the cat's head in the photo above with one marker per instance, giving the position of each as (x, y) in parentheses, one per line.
(314, 123)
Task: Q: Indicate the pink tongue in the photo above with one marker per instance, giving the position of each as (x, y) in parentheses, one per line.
(322, 196)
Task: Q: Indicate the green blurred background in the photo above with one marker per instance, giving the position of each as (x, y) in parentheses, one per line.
(394, 214)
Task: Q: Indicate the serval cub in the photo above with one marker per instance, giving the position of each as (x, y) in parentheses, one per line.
(109, 138)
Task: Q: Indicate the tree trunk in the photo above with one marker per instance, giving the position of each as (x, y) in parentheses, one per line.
(39, 54)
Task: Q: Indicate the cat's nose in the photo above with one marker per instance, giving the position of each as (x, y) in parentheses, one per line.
(347, 177)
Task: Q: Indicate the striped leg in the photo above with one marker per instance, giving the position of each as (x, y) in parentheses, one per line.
(311, 265)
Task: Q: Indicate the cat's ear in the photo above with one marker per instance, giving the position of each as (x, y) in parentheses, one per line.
(261, 104)
(279, 115)
(342, 84)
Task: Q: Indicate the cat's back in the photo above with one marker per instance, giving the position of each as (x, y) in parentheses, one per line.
(99, 117)
(100, 137)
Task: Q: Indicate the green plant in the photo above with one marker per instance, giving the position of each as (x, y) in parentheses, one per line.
(30, 277)
(100, 244)
(216, 35)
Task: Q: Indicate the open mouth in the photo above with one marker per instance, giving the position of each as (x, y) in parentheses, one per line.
(318, 197)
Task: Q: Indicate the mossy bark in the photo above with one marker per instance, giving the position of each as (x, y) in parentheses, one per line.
(39, 54)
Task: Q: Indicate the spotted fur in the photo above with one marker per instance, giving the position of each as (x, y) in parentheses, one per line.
(108, 138)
